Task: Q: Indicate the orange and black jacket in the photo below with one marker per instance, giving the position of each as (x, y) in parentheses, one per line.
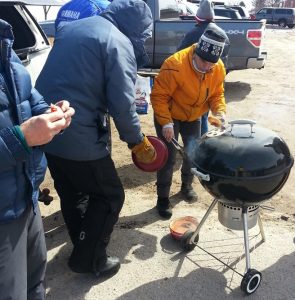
(183, 94)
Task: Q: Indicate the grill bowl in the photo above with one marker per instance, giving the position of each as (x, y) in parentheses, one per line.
(247, 164)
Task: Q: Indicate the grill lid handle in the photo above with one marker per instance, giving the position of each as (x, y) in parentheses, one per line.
(242, 122)
(197, 173)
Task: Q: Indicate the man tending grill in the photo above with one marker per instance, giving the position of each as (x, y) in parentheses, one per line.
(189, 84)
(205, 20)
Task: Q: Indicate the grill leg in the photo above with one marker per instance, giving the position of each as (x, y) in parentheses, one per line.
(246, 237)
(192, 239)
(261, 228)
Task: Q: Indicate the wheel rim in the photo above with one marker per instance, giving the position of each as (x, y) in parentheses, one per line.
(253, 283)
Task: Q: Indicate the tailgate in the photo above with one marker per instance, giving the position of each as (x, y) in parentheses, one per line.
(246, 41)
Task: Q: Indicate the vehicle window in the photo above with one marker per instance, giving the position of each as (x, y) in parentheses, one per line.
(241, 11)
(262, 11)
(168, 9)
(280, 11)
(225, 13)
(23, 36)
(265, 11)
(221, 12)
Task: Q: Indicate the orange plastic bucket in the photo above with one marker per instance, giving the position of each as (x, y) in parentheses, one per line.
(180, 226)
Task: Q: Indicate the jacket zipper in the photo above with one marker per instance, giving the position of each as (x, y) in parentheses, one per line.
(5, 89)
(207, 91)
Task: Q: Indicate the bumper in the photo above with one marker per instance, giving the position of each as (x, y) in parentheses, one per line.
(257, 62)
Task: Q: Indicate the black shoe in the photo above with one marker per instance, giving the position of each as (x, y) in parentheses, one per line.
(164, 207)
(188, 192)
(79, 267)
(107, 267)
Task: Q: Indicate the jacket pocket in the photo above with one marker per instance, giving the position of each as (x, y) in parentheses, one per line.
(24, 110)
(8, 194)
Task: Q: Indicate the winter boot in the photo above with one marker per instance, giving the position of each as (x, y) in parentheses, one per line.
(164, 207)
(188, 192)
(107, 266)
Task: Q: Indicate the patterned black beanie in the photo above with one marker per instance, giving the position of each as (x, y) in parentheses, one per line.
(211, 45)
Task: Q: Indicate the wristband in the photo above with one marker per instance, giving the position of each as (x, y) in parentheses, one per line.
(20, 136)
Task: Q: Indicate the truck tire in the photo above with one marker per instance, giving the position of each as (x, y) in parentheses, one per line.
(282, 23)
(291, 25)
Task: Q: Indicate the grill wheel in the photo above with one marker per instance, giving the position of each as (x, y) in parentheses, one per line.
(251, 281)
(185, 241)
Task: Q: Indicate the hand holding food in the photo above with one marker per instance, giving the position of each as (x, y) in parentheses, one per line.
(68, 111)
(217, 120)
(40, 130)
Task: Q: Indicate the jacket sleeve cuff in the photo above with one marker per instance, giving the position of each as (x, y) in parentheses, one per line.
(169, 125)
(13, 144)
(20, 136)
(130, 145)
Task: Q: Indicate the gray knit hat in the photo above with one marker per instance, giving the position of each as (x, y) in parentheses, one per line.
(211, 45)
(205, 11)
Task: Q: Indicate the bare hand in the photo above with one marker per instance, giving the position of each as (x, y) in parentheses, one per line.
(217, 120)
(168, 133)
(40, 130)
(67, 110)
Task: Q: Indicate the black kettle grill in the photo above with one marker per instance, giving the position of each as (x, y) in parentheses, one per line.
(240, 166)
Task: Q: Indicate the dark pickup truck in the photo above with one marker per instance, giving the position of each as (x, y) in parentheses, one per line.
(32, 46)
(245, 35)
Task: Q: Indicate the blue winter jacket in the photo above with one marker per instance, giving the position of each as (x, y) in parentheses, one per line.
(79, 9)
(20, 172)
(93, 64)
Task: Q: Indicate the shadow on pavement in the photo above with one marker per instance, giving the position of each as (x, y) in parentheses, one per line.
(137, 178)
(236, 91)
(210, 280)
(277, 280)
(196, 285)
(62, 283)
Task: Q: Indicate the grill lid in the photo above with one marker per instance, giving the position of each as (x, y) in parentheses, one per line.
(242, 150)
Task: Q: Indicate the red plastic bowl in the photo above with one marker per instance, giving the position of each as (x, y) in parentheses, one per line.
(161, 159)
(181, 225)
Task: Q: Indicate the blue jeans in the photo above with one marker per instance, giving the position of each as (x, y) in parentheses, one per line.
(189, 132)
(23, 257)
(204, 123)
